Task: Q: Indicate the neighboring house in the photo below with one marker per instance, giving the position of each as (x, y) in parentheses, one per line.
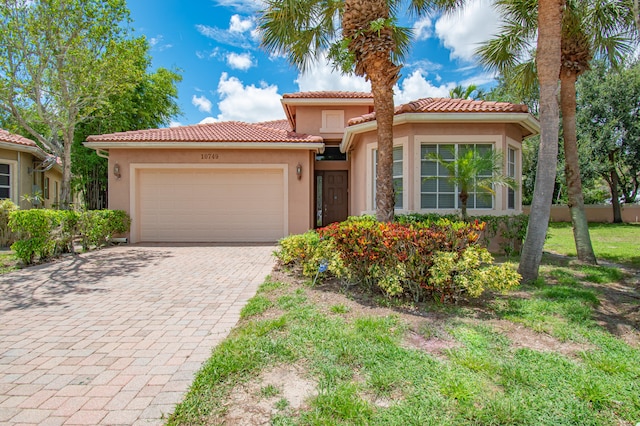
(232, 181)
(26, 170)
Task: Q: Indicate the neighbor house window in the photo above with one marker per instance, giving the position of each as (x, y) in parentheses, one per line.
(56, 193)
(511, 172)
(5, 180)
(398, 181)
(46, 188)
(437, 191)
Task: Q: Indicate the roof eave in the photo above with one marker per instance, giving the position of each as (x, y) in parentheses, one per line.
(309, 146)
(327, 101)
(23, 148)
(528, 122)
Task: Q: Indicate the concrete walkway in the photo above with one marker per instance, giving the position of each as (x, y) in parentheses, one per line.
(115, 336)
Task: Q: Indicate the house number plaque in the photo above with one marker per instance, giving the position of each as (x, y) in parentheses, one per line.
(209, 156)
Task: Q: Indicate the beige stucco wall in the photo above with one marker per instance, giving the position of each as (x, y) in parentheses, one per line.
(23, 181)
(410, 136)
(299, 191)
(309, 118)
(595, 213)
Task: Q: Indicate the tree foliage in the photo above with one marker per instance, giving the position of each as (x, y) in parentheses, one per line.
(60, 61)
(150, 104)
(609, 128)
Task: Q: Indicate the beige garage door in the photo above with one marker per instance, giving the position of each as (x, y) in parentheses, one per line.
(211, 205)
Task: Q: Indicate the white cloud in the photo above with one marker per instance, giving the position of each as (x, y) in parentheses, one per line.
(321, 76)
(241, 33)
(157, 43)
(202, 103)
(416, 86)
(239, 25)
(175, 124)
(423, 29)
(240, 61)
(241, 5)
(479, 79)
(463, 32)
(246, 103)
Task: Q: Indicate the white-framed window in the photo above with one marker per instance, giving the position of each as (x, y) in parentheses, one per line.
(437, 191)
(398, 176)
(511, 172)
(5, 181)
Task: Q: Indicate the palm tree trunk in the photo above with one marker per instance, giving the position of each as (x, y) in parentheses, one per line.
(464, 197)
(572, 169)
(548, 64)
(383, 103)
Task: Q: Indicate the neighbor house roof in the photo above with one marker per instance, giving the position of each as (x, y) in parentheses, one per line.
(270, 134)
(12, 138)
(446, 105)
(328, 95)
(447, 110)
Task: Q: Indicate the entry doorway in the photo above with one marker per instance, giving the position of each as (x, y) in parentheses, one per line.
(332, 196)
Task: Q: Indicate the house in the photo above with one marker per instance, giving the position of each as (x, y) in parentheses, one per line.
(233, 181)
(26, 170)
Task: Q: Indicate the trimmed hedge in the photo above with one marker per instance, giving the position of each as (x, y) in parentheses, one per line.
(43, 234)
(6, 236)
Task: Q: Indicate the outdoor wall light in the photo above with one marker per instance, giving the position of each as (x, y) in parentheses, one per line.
(299, 171)
(116, 171)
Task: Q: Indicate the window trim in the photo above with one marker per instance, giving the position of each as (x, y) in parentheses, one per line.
(370, 184)
(517, 177)
(13, 179)
(495, 140)
(339, 114)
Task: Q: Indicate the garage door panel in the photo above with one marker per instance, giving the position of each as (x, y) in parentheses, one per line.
(211, 205)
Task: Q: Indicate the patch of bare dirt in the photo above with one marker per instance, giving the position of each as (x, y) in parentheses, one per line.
(285, 387)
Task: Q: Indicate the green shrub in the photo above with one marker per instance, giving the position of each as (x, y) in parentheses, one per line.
(505, 232)
(309, 254)
(7, 237)
(97, 227)
(396, 258)
(43, 233)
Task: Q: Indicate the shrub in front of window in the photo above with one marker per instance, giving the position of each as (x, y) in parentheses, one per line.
(7, 237)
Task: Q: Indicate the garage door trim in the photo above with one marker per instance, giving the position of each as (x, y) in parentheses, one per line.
(135, 167)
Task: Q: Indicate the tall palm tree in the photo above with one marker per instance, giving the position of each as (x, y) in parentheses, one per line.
(471, 170)
(360, 35)
(548, 56)
(600, 27)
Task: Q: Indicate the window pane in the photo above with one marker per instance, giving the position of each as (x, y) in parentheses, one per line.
(397, 168)
(442, 171)
(428, 201)
(428, 149)
(4, 169)
(397, 153)
(447, 152)
(4, 180)
(446, 201)
(445, 185)
(4, 192)
(429, 168)
(429, 185)
(463, 149)
(483, 149)
(511, 197)
(398, 200)
(484, 200)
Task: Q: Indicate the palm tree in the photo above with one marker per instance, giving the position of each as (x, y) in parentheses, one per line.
(548, 56)
(470, 92)
(602, 27)
(360, 35)
(470, 171)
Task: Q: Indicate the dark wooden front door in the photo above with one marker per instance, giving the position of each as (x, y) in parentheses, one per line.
(334, 202)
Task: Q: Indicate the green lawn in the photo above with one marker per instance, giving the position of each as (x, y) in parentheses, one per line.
(535, 357)
(8, 262)
(619, 243)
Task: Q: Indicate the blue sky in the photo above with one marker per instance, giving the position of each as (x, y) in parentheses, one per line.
(227, 76)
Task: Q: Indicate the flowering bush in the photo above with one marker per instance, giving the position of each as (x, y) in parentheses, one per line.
(436, 258)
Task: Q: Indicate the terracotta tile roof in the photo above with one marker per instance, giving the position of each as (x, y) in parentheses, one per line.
(227, 131)
(16, 139)
(446, 105)
(328, 95)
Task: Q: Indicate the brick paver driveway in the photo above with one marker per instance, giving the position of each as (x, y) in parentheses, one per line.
(115, 336)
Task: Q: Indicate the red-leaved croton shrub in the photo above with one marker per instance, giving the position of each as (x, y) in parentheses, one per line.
(396, 257)
(439, 259)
